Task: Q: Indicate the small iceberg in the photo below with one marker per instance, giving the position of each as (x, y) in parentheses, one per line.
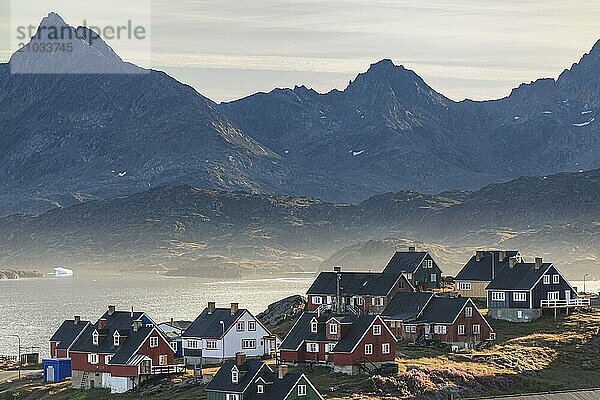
(61, 271)
(585, 123)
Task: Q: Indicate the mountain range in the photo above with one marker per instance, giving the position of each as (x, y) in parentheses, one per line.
(189, 231)
(66, 138)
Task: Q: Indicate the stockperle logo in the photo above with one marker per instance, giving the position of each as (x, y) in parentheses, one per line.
(113, 39)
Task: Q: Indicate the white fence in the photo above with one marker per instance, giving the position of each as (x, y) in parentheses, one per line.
(565, 303)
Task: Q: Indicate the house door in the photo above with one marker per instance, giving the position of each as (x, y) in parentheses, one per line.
(568, 295)
(553, 295)
(50, 374)
(427, 331)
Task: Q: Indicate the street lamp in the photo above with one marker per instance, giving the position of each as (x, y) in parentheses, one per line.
(223, 339)
(584, 276)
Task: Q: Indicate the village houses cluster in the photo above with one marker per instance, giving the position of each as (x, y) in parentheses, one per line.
(352, 323)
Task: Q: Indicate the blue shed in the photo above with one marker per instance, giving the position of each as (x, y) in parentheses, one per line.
(56, 369)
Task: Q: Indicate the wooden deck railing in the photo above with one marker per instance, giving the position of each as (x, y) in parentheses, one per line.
(565, 303)
(167, 369)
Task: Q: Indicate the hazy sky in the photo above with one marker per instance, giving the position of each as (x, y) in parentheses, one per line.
(464, 48)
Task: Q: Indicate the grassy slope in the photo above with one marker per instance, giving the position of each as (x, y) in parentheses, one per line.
(539, 356)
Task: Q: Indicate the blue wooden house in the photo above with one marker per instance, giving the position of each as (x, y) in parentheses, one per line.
(521, 291)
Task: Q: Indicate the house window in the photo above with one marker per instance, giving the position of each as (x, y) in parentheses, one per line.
(410, 328)
(240, 326)
(440, 329)
(301, 390)
(409, 276)
(232, 396)
(248, 343)
(476, 329)
(116, 339)
(468, 311)
(312, 347)
(95, 338)
(93, 358)
(555, 279)
(498, 296)
(377, 301)
(368, 349)
(376, 330)
(174, 346)
(519, 314)
(260, 389)
(107, 359)
(461, 329)
(211, 345)
(192, 344)
(162, 359)
(385, 348)
(333, 329)
(314, 326)
(546, 279)
(360, 301)
(317, 300)
(433, 278)
(519, 296)
(329, 300)
(235, 375)
(464, 285)
(329, 347)
(154, 341)
(428, 264)
(251, 325)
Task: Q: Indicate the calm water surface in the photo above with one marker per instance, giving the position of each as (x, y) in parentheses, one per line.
(34, 308)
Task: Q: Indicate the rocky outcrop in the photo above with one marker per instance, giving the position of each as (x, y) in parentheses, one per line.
(17, 274)
(282, 310)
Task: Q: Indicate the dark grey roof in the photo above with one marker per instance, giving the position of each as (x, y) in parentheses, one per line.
(209, 325)
(275, 388)
(181, 325)
(482, 270)
(352, 283)
(67, 333)
(121, 321)
(406, 305)
(221, 382)
(405, 261)
(581, 394)
(129, 347)
(301, 332)
(443, 310)
(522, 276)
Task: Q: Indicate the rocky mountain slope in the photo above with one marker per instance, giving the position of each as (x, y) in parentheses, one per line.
(214, 233)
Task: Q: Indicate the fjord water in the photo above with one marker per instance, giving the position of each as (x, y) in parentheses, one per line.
(35, 308)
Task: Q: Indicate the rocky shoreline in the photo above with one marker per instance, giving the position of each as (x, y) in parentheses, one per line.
(19, 274)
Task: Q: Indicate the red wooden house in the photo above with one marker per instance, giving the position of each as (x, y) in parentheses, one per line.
(414, 317)
(63, 339)
(347, 343)
(119, 351)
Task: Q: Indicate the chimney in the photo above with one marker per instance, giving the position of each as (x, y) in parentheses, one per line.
(101, 324)
(131, 311)
(240, 358)
(211, 307)
(77, 319)
(172, 321)
(337, 270)
(234, 308)
(111, 310)
(137, 325)
(512, 262)
(412, 249)
(478, 255)
(501, 255)
(538, 262)
(282, 371)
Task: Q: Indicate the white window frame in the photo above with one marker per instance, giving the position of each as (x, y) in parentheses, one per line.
(519, 314)
(317, 300)
(95, 338)
(385, 348)
(212, 345)
(461, 329)
(440, 329)
(329, 347)
(476, 329)
(252, 326)
(368, 349)
(433, 278)
(498, 296)
(546, 279)
(248, 344)
(153, 341)
(107, 359)
(260, 389)
(333, 328)
(116, 339)
(410, 328)
(301, 390)
(464, 286)
(240, 326)
(173, 346)
(377, 301)
(312, 347)
(377, 330)
(428, 264)
(468, 311)
(235, 376)
(93, 358)
(232, 396)
(519, 296)
(163, 359)
(192, 344)
(314, 326)
(555, 279)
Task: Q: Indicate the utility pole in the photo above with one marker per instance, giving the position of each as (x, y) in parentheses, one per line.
(19, 351)
(584, 276)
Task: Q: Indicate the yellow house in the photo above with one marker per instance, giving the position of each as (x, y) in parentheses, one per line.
(479, 271)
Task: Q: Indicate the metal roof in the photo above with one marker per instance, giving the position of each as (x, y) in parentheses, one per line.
(405, 261)
(482, 270)
(352, 284)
